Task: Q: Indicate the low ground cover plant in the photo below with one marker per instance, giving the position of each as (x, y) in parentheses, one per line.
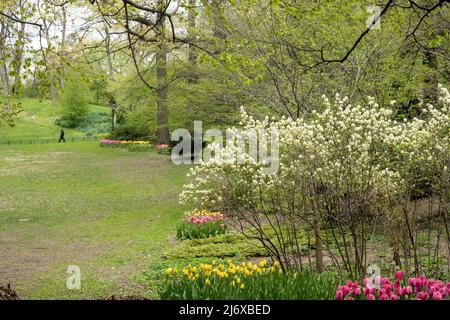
(247, 280)
(201, 224)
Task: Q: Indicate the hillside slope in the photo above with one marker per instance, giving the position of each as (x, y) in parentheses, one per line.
(36, 122)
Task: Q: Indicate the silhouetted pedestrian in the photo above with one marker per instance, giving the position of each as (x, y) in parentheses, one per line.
(61, 136)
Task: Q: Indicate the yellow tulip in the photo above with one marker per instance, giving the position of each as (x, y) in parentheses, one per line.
(242, 286)
(168, 271)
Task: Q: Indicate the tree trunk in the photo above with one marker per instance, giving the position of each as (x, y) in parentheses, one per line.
(51, 74)
(18, 58)
(3, 70)
(162, 132)
(430, 80)
(192, 54)
(319, 246)
(63, 47)
(108, 50)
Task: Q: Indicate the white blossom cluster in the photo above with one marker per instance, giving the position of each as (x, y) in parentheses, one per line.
(344, 148)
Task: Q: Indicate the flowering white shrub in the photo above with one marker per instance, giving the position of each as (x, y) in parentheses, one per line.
(339, 166)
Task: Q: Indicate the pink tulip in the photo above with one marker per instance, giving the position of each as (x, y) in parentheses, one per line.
(339, 295)
(437, 295)
(384, 297)
(345, 290)
(408, 290)
(369, 291)
(357, 291)
(422, 296)
(370, 297)
(399, 275)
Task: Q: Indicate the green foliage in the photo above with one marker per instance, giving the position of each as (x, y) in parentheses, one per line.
(137, 125)
(187, 230)
(140, 147)
(95, 122)
(74, 102)
(242, 283)
(8, 111)
(228, 245)
(164, 150)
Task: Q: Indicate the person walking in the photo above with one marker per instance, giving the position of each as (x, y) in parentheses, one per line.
(61, 136)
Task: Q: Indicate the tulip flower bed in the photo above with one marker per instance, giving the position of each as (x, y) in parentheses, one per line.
(419, 288)
(132, 145)
(163, 149)
(201, 224)
(245, 281)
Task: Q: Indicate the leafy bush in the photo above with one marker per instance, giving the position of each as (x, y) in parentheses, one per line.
(74, 102)
(245, 281)
(95, 122)
(137, 125)
(338, 168)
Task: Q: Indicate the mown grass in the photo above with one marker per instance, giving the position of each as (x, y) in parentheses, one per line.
(108, 211)
(36, 122)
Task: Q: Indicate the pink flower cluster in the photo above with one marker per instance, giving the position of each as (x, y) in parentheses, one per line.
(161, 146)
(106, 141)
(204, 217)
(419, 288)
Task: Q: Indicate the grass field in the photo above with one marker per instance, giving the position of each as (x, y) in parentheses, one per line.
(109, 211)
(36, 122)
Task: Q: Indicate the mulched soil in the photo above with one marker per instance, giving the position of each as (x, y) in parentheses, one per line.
(6, 293)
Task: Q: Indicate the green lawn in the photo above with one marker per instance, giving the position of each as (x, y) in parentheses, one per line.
(36, 122)
(109, 211)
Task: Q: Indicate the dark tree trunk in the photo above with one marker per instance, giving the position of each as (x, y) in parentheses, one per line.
(162, 132)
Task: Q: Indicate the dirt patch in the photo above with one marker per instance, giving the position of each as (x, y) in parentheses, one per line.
(113, 297)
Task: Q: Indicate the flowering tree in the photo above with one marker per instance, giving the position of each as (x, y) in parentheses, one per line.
(343, 170)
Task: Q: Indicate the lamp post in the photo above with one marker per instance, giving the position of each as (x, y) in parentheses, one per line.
(113, 110)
